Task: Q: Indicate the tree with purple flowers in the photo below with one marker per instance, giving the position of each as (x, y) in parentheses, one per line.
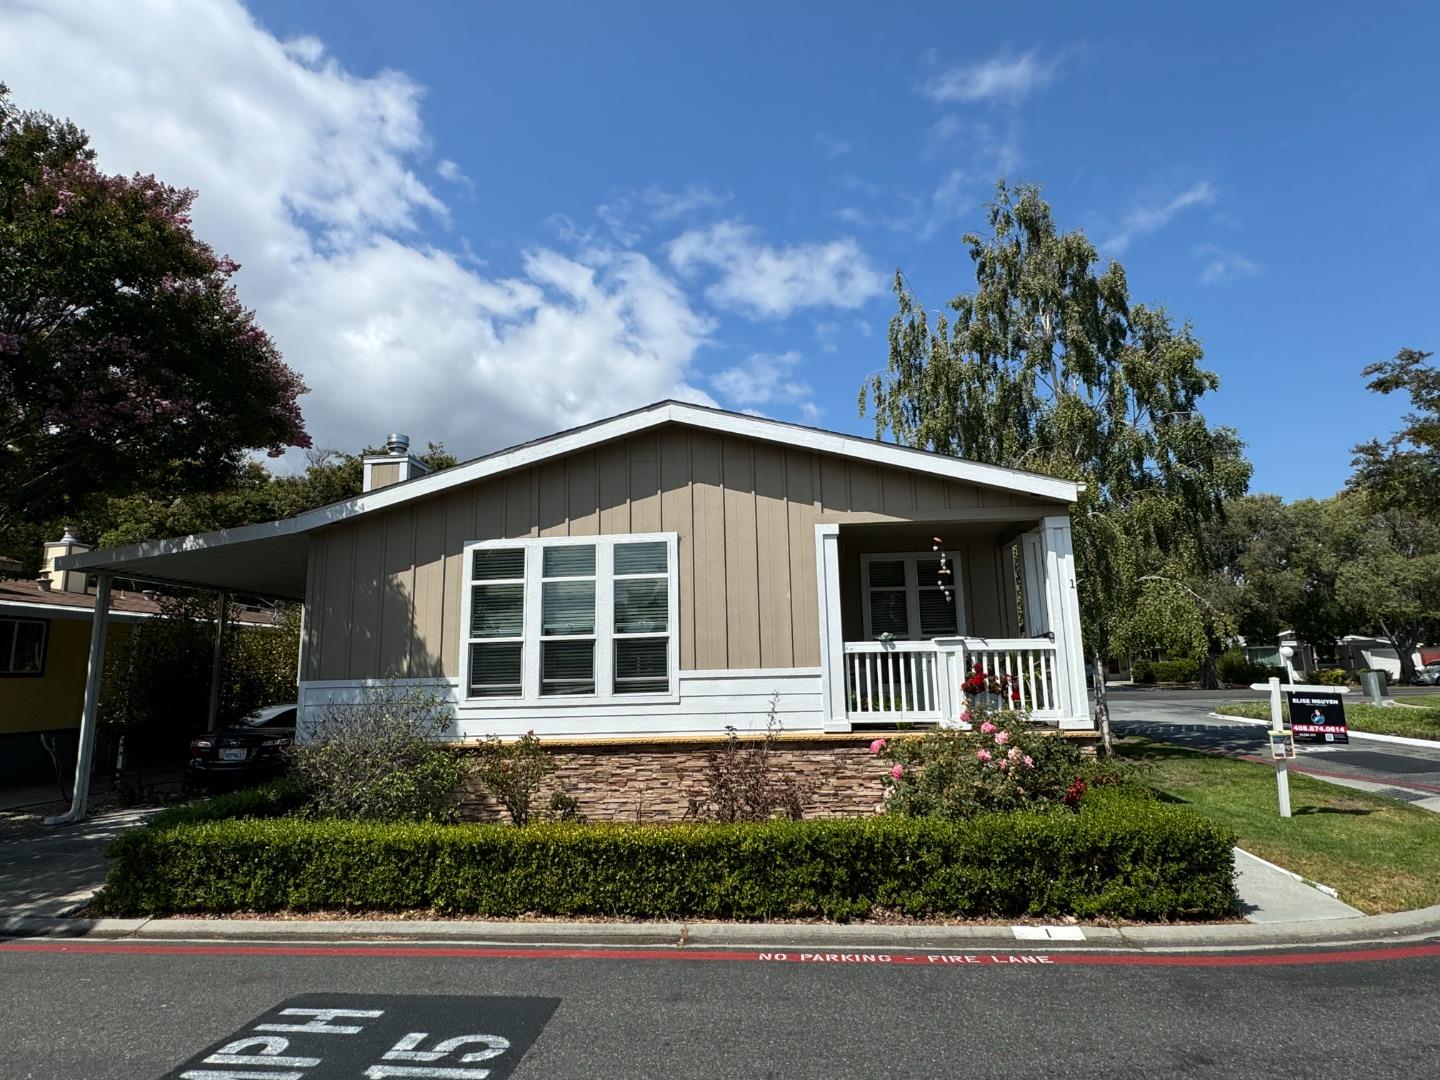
(127, 363)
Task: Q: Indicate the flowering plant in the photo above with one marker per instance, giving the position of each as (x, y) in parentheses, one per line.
(979, 681)
(1000, 764)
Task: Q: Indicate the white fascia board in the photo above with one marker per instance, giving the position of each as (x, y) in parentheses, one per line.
(696, 416)
(66, 611)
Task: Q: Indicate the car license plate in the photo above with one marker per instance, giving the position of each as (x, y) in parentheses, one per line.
(233, 755)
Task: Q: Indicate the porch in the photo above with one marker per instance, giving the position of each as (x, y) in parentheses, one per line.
(920, 619)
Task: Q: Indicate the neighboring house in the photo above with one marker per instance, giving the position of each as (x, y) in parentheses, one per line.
(667, 572)
(45, 629)
(44, 643)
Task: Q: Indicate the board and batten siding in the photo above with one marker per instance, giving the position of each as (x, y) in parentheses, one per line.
(383, 591)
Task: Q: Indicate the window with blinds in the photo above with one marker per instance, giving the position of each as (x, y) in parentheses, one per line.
(563, 617)
(905, 597)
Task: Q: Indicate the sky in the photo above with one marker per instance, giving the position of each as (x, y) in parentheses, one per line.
(477, 223)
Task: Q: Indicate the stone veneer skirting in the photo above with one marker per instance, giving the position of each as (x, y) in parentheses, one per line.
(654, 782)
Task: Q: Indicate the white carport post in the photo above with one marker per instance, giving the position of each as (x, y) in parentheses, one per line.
(85, 752)
(223, 600)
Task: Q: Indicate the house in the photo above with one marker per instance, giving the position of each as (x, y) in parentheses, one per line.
(45, 633)
(670, 572)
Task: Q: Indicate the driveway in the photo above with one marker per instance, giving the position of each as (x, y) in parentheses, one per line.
(50, 870)
(1411, 773)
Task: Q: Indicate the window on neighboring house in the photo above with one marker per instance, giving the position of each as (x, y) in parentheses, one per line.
(588, 617)
(905, 597)
(22, 646)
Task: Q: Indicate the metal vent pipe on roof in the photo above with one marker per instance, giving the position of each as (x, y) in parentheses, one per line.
(397, 445)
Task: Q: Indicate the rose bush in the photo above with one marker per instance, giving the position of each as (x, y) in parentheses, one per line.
(1000, 764)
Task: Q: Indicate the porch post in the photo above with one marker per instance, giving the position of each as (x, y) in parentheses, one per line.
(1033, 575)
(1064, 604)
(223, 599)
(833, 703)
(85, 751)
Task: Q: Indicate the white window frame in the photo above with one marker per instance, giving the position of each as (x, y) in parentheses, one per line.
(912, 589)
(534, 548)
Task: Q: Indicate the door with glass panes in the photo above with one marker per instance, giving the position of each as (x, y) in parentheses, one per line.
(908, 598)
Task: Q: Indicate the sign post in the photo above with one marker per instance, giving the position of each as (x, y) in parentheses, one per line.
(1315, 712)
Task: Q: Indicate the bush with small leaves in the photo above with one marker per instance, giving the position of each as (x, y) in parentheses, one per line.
(381, 759)
(513, 771)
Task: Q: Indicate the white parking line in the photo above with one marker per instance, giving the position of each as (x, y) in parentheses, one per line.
(1049, 933)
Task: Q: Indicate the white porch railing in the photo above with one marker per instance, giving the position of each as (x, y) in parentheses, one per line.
(893, 680)
(926, 680)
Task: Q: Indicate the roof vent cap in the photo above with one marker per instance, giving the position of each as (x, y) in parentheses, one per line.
(397, 445)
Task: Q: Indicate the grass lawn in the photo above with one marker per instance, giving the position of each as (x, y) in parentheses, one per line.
(1381, 855)
(1430, 700)
(1376, 719)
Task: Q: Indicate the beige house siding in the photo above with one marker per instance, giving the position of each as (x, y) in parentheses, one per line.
(383, 592)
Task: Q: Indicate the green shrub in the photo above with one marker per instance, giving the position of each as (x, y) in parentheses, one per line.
(380, 759)
(1002, 764)
(275, 799)
(512, 772)
(1176, 670)
(1234, 667)
(1143, 671)
(1327, 677)
(1118, 857)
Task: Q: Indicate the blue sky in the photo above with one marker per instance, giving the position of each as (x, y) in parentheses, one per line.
(481, 222)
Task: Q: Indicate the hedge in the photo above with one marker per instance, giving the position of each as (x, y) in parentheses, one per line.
(1120, 856)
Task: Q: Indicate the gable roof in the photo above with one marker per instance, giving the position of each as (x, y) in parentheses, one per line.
(277, 548)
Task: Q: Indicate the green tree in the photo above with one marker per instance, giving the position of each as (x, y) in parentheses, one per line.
(1048, 366)
(1391, 582)
(126, 361)
(1403, 471)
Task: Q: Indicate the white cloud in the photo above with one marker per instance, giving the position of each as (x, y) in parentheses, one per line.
(451, 173)
(1141, 220)
(832, 146)
(308, 175)
(764, 281)
(766, 379)
(1221, 265)
(1003, 78)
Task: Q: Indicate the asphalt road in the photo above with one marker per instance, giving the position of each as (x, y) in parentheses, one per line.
(1180, 716)
(86, 1015)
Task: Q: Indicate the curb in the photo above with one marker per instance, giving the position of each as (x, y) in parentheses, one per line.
(1403, 740)
(1396, 927)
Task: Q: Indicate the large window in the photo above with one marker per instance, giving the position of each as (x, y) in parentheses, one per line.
(22, 646)
(905, 597)
(587, 618)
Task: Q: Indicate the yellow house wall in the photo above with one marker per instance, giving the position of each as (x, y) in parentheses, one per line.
(53, 700)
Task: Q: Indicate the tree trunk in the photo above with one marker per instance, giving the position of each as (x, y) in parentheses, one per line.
(1102, 707)
(1404, 645)
(1209, 676)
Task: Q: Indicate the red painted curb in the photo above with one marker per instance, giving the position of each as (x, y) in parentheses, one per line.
(868, 956)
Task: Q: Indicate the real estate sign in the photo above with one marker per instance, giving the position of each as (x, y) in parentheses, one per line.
(1317, 717)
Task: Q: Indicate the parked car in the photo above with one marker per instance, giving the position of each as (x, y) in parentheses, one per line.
(1429, 675)
(256, 747)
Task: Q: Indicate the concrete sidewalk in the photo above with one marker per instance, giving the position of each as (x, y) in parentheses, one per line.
(1270, 894)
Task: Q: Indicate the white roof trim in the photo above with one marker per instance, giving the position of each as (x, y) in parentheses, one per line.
(27, 609)
(696, 416)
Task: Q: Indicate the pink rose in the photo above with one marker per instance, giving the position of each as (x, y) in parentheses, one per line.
(964, 716)
(897, 771)
(987, 727)
(1014, 754)
(982, 754)
(1004, 764)
(1002, 738)
(1029, 762)
(877, 746)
